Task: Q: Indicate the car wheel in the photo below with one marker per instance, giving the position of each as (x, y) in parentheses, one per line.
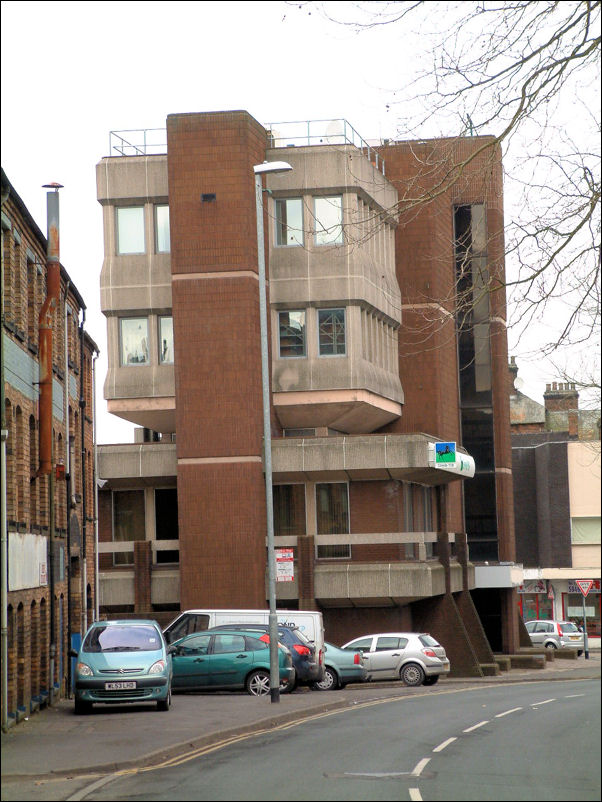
(551, 645)
(258, 683)
(431, 680)
(82, 708)
(412, 675)
(330, 681)
(163, 704)
(579, 652)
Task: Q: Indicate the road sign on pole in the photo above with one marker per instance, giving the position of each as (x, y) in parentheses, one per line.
(584, 585)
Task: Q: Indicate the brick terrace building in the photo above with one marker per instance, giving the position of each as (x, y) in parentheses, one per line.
(47, 509)
(556, 464)
(368, 370)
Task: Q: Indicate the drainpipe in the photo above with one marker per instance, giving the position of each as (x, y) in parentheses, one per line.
(45, 324)
(96, 602)
(82, 422)
(68, 484)
(3, 525)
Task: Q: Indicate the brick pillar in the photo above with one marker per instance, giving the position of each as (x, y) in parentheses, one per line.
(143, 558)
(305, 569)
(215, 304)
(474, 627)
(510, 616)
(440, 617)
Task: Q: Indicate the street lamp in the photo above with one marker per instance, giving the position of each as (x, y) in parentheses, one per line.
(259, 170)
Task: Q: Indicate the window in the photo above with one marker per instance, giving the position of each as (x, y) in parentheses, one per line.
(128, 521)
(162, 241)
(291, 328)
(289, 221)
(226, 644)
(331, 332)
(134, 341)
(289, 509)
(328, 220)
(166, 340)
(332, 512)
(130, 229)
(166, 522)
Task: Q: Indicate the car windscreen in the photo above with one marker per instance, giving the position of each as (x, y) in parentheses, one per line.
(568, 627)
(126, 638)
(427, 640)
(301, 637)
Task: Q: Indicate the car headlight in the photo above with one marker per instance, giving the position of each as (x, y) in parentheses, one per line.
(84, 670)
(157, 668)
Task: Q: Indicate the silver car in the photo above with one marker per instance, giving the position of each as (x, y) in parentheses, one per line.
(415, 658)
(556, 635)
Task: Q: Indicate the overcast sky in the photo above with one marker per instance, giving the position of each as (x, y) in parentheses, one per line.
(72, 72)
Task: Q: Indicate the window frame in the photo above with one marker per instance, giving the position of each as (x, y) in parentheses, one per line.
(156, 207)
(332, 309)
(124, 363)
(318, 234)
(160, 332)
(289, 312)
(281, 228)
(118, 210)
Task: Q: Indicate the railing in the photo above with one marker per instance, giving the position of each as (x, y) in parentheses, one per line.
(153, 141)
(321, 132)
(138, 142)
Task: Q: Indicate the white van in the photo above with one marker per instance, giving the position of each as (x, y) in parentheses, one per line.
(309, 622)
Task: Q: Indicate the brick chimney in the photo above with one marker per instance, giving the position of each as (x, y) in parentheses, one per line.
(561, 401)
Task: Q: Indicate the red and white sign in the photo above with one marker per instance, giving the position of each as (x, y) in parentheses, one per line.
(584, 585)
(285, 567)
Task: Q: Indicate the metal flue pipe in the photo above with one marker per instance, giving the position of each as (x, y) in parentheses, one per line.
(45, 326)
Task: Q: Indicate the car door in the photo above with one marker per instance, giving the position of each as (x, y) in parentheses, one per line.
(190, 662)
(386, 657)
(539, 633)
(229, 660)
(363, 645)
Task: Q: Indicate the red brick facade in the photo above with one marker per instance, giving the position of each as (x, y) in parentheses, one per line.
(28, 502)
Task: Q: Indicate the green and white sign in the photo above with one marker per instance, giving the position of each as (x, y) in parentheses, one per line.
(445, 457)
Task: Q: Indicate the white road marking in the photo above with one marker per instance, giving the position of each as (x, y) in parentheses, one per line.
(476, 726)
(442, 746)
(574, 696)
(545, 702)
(420, 766)
(507, 712)
(415, 794)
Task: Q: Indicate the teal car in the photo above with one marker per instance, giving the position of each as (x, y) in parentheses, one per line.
(227, 660)
(120, 662)
(340, 667)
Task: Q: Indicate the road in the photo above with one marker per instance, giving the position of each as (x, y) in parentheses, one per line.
(512, 742)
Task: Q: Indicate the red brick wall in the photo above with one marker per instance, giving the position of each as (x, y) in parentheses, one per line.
(221, 491)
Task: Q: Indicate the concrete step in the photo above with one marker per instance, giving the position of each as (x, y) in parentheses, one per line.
(490, 669)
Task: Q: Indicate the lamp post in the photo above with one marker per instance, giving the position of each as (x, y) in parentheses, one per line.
(259, 170)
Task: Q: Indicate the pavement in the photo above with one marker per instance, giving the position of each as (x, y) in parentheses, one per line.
(55, 755)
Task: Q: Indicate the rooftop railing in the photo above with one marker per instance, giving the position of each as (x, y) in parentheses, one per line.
(153, 141)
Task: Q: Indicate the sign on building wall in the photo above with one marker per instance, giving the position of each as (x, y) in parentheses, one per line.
(285, 567)
(536, 586)
(27, 561)
(446, 457)
(594, 587)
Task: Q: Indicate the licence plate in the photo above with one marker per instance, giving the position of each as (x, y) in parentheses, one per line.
(120, 686)
(575, 637)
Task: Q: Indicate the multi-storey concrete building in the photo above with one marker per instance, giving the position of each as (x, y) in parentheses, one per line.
(366, 376)
(47, 499)
(556, 463)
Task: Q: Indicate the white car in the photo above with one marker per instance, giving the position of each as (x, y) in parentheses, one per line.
(415, 658)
